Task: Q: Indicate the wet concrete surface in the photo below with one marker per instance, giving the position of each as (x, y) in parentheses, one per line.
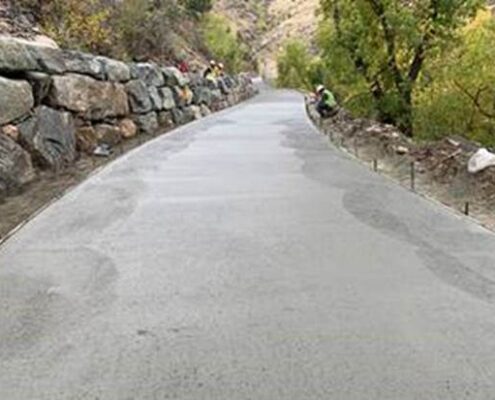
(242, 257)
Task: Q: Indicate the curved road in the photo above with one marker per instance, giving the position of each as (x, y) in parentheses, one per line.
(242, 257)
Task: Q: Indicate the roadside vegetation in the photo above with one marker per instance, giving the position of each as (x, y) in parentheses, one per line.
(140, 29)
(427, 66)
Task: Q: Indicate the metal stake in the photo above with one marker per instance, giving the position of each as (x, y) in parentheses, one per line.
(413, 176)
(466, 208)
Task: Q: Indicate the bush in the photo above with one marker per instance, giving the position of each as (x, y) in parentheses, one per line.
(223, 44)
(293, 66)
(198, 6)
(79, 24)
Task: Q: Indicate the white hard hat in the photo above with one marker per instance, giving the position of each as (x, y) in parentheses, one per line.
(320, 88)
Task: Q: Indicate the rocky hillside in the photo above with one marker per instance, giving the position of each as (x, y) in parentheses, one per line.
(267, 24)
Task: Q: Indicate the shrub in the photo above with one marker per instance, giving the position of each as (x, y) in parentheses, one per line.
(223, 44)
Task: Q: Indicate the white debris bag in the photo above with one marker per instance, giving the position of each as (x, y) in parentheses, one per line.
(481, 160)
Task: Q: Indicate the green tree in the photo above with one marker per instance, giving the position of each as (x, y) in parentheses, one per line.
(387, 43)
(223, 44)
(457, 94)
(293, 66)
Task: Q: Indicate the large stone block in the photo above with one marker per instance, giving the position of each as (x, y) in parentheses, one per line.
(21, 55)
(139, 97)
(15, 56)
(173, 77)
(165, 120)
(84, 64)
(49, 135)
(147, 123)
(108, 134)
(114, 70)
(202, 95)
(148, 72)
(16, 168)
(167, 97)
(156, 99)
(16, 100)
(91, 99)
(86, 139)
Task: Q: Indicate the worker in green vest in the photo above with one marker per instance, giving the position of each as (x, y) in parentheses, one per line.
(326, 103)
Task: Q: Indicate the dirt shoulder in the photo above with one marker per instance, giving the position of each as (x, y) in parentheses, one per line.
(436, 169)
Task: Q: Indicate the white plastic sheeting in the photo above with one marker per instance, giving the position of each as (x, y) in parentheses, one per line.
(481, 160)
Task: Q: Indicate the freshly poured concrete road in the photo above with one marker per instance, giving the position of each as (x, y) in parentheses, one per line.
(244, 258)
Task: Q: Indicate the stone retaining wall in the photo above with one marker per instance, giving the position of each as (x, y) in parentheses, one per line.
(56, 105)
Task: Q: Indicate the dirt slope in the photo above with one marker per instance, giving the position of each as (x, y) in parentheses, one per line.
(267, 24)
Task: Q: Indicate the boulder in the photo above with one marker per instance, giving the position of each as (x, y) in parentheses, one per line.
(189, 114)
(202, 95)
(178, 116)
(205, 111)
(41, 84)
(85, 64)
(167, 97)
(147, 123)
(91, 99)
(23, 55)
(16, 100)
(196, 112)
(108, 134)
(149, 73)
(15, 56)
(165, 120)
(156, 99)
(114, 70)
(86, 139)
(49, 59)
(128, 128)
(16, 168)
(139, 97)
(49, 135)
(173, 77)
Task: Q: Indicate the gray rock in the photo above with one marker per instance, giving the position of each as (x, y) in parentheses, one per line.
(156, 99)
(179, 98)
(49, 135)
(15, 56)
(16, 100)
(202, 95)
(178, 116)
(41, 84)
(86, 139)
(147, 123)
(149, 73)
(16, 168)
(195, 111)
(167, 97)
(114, 70)
(108, 134)
(49, 59)
(190, 114)
(205, 111)
(173, 77)
(83, 63)
(223, 86)
(91, 99)
(165, 120)
(139, 97)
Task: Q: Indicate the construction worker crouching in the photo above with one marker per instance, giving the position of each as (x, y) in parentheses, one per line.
(326, 104)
